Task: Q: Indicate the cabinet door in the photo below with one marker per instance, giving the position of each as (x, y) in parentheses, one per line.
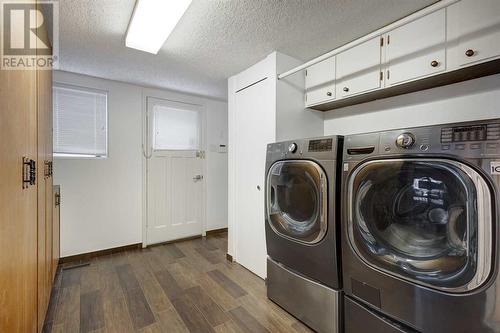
(358, 69)
(56, 200)
(417, 49)
(474, 31)
(320, 82)
(44, 112)
(18, 205)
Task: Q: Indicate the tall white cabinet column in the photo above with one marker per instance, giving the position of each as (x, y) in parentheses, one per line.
(261, 110)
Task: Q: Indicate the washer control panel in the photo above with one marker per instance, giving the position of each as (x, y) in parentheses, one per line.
(474, 140)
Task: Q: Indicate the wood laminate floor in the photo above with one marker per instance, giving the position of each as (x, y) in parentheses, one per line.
(183, 287)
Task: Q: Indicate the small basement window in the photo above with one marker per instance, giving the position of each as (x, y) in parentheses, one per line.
(80, 122)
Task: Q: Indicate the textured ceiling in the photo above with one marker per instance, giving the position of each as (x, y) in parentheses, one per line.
(215, 38)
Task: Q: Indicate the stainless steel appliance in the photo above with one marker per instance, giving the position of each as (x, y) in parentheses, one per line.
(303, 273)
(420, 229)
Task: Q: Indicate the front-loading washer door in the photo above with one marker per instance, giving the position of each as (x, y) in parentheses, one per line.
(297, 200)
(428, 221)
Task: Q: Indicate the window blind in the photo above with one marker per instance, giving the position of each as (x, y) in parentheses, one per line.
(80, 121)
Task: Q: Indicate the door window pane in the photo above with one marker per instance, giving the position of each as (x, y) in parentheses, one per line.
(176, 128)
(416, 219)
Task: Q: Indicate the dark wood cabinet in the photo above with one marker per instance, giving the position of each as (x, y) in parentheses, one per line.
(28, 250)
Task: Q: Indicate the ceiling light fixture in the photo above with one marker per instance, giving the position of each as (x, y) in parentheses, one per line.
(152, 22)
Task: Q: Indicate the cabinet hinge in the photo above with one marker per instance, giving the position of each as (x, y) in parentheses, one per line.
(381, 41)
(388, 39)
(49, 167)
(388, 75)
(306, 72)
(381, 76)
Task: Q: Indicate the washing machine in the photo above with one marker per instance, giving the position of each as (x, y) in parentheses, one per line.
(420, 226)
(302, 225)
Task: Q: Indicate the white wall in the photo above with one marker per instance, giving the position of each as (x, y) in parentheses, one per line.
(102, 200)
(470, 100)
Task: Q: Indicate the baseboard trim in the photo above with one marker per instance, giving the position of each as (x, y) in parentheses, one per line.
(90, 255)
(216, 231)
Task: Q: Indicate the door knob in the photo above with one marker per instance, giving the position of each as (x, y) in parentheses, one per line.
(329, 94)
(197, 177)
(434, 63)
(345, 89)
(470, 52)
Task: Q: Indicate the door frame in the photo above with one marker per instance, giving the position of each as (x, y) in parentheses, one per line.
(145, 149)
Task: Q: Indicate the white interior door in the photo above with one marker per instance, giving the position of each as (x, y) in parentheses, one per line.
(175, 184)
(255, 128)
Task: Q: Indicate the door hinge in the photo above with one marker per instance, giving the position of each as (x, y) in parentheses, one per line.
(381, 41)
(29, 172)
(381, 76)
(57, 199)
(200, 154)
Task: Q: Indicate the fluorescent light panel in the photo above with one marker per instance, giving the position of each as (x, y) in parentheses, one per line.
(152, 22)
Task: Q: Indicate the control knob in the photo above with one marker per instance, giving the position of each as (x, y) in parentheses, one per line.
(292, 148)
(405, 140)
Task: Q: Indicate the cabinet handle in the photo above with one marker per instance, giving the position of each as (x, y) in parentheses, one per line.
(434, 63)
(470, 52)
(329, 94)
(345, 89)
(29, 172)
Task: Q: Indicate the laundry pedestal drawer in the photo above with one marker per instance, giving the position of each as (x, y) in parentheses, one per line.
(314, 304)
(359, 319)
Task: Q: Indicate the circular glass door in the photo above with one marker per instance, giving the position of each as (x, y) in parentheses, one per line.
(424, 220)
(296, 200)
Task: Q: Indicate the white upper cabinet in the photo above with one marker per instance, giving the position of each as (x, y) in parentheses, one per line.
(416, 49)
(473, 31)
(358, 69)
(432, 43)
(320, 82)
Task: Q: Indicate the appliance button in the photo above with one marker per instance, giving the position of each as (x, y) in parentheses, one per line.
(460, 146)
(475, 146)
(445, 147)
(292, 148)
(424, 147)
(405, 140)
